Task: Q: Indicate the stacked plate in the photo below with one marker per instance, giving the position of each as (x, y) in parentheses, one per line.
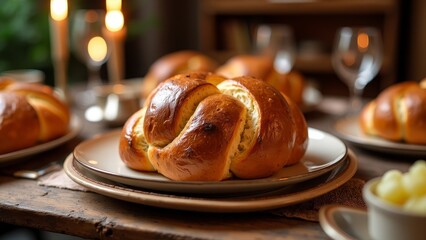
(326, 165)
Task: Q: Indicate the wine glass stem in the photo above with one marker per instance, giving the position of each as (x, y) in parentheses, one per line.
(94, 77)
(355, 99)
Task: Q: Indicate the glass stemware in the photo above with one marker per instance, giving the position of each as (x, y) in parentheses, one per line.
(357, 58)
(89, 44)
(276, 41)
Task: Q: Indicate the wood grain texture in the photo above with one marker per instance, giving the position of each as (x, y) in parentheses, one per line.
(93, 216)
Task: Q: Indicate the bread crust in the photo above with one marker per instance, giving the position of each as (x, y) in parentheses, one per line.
(397, 114)
(205, 147)
(275, 132)
(53, 114)
(19, 123)
(302, 138)
(46, 116)
(166, 109)
(196, 131)
(133, 146)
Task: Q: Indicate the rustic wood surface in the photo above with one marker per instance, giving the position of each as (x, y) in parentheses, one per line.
(93, 216)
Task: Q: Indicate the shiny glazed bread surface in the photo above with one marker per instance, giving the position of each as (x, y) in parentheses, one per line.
(193, 130)
(397, 114)
(29, 114)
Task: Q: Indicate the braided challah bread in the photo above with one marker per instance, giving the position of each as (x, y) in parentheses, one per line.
(29, 114)
(397, 114)
(175, 63)
(193, 130)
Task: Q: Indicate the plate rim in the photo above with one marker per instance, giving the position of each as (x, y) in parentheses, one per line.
(190, 185)
(74, 129)
(199, 204)
(374, 143)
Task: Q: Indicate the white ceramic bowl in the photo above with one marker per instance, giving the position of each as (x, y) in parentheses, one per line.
(387, 221)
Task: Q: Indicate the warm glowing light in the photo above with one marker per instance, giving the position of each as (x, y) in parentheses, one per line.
(58, 9)
(97, 49)
(112, 5)
(114, 20)
(363, 41)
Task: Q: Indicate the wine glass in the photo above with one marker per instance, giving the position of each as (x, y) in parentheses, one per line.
(357, 58)
(276, 41)
(90, 46)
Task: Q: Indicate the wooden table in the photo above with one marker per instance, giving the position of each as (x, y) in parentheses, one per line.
(90, 215)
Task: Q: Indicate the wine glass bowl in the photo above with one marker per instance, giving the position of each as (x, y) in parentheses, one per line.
(276, 41)
(356, 59)
(89, 43)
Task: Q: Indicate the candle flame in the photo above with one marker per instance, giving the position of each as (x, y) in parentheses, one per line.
(113, 5)
(97, 49)
(58, 9)
(114, 20)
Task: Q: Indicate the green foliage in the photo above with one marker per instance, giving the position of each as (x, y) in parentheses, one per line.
(24, 35)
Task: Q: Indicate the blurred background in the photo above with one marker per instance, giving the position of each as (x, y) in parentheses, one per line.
(223, 28)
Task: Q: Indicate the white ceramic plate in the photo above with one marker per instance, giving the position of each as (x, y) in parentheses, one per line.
(75, 126)
(218, 203)
(100, 155)
(348, 129)
(344, 223)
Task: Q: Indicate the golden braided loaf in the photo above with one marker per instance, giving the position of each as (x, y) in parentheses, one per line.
(29, 114)
(397, 114)
(193, 130)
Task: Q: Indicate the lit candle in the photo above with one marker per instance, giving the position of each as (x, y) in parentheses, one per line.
(114, 22)
(113, 5)
(59, 42)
